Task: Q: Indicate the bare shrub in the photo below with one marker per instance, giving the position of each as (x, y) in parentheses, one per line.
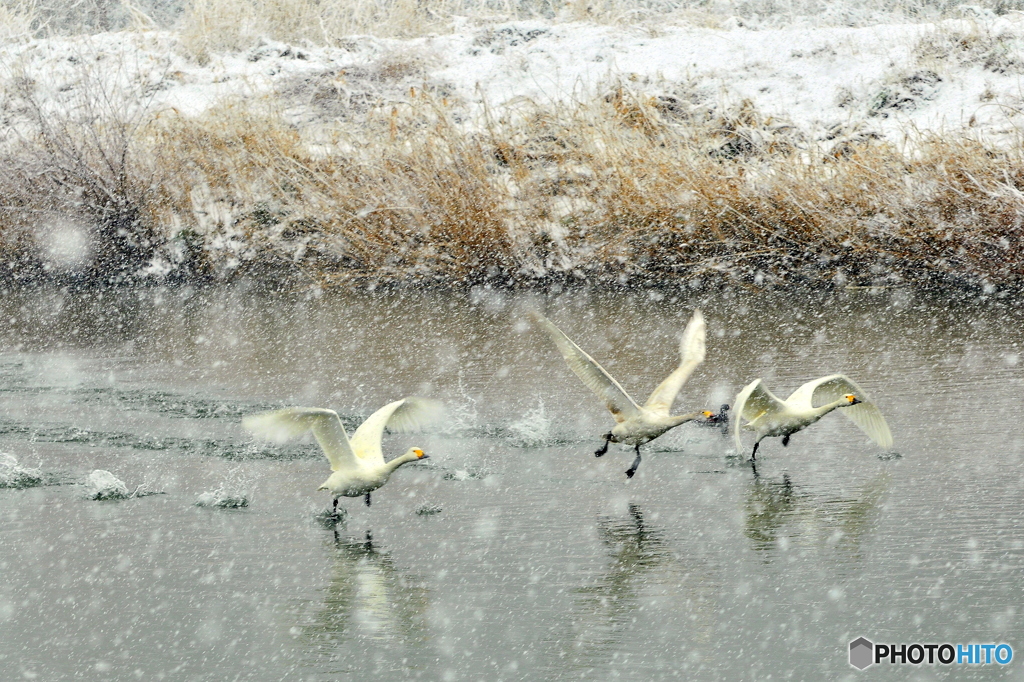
(416, 202)
(79, 167)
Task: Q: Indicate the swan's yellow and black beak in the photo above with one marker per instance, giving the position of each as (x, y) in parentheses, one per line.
(420, 454)
(708, 413)
(853, 400)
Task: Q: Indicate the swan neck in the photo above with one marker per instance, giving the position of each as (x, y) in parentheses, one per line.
(828, 407)
(683, 418)
(399, 461)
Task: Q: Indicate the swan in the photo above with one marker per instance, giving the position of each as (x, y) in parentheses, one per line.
(768, 415)
(636, 424)
(358, 464)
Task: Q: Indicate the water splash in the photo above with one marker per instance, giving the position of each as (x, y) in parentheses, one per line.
(13, 475)
(461, 418)
(464, 475)
(222, 498)
(103, 485)
(235, 493)
(533, 430)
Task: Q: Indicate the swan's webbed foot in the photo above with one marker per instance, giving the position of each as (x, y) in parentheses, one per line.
(636, 463)
(367, 498)
(785, 440)
(604, 448)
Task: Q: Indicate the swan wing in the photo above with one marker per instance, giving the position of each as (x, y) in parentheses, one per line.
(752, 402)
(282, 425)
(593, 375)
(691, 353)
(407, 414)
(864, 414)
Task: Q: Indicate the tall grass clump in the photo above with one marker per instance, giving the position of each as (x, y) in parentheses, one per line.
(18, 20)
(402, 197)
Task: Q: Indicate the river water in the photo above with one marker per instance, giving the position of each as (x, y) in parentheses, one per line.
(512, 553)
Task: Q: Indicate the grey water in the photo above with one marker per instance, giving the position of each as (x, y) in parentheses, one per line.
(512, 553)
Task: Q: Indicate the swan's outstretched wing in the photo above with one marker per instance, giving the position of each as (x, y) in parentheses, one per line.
(280, 425)
(593, 375)
(407, 414)
(691, 352)
(752, 402)
(864, 414)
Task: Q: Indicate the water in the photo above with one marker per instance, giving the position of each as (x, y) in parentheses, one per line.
(512, 553)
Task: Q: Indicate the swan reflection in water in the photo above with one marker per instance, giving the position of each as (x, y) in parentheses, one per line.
(645, 578)
(372, 615)
(779, 513)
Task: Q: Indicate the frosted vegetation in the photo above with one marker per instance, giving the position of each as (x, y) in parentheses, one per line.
(650, 143)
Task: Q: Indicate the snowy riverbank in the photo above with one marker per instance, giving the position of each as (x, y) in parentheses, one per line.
(524, 152)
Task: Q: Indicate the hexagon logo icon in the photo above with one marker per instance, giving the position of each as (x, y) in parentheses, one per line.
(861, 653)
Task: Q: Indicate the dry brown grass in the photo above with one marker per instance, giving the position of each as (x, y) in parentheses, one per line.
(421, 206)
(629, 188)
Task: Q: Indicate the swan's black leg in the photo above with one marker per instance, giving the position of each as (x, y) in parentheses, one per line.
(785, 440)
(604, 448)
(367, 499)
(636, 463)
(753, 467)
(335, 505)
(368, 545)
(753, 454)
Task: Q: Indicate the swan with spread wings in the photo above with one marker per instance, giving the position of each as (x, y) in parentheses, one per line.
(358, 464)
(636, 424)
(768, 415)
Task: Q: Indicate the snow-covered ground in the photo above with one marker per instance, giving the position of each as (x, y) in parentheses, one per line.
(886, 79)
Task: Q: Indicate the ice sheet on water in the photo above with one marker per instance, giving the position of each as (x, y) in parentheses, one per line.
(13, 475)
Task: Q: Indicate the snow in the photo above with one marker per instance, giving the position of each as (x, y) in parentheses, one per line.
(810, 76)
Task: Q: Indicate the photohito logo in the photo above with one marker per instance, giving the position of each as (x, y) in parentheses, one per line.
(863, 652)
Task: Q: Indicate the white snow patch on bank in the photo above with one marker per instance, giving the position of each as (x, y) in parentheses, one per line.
(814, 77)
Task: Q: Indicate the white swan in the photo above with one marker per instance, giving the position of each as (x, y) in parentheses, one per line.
(636, 424)
(768, 415)
(358, 464)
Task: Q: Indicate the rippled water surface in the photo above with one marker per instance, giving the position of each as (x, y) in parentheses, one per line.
(512, 553)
